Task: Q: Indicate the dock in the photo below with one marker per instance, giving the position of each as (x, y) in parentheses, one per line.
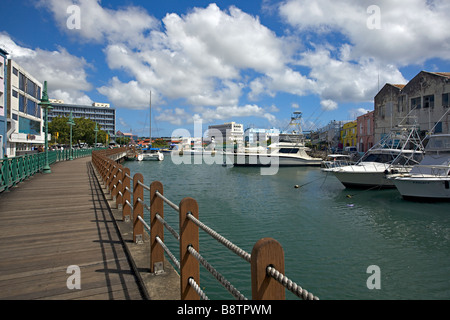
(79, 233)
(53, 221)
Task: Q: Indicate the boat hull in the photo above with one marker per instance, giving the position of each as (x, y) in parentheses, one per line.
(150, 157)
(364, 180)
(423, 188)
(265, 160)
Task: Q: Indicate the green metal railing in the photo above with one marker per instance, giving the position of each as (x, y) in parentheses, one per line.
(17, 169)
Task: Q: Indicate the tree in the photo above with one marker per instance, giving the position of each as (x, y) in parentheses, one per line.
(82, 131)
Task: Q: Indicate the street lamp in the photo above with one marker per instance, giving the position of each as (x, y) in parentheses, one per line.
(70, 123)
(46, 105)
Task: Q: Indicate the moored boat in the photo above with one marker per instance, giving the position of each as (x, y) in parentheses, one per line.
(287, 151)
(398, 152)
(429, 180)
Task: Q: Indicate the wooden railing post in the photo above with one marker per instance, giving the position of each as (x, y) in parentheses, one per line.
(157, 228)
(138, 208)
(126, 209)
(120, 189)
(189, 266)
(266, 252)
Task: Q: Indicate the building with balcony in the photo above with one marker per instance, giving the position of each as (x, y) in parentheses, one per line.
(24, 116)
(101, 113)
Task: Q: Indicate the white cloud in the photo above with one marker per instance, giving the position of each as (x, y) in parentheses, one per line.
(65, 73)
(328, 105)
(411, 31)
(99, 24)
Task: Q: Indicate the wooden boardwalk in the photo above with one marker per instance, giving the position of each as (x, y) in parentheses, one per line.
(53, 221)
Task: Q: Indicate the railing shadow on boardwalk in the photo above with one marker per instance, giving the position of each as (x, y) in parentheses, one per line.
(55, 221)
(127, 193)
(106, 228)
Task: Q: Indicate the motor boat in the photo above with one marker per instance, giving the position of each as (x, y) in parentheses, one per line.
(288, 149)
(398, 152)
(429, 180)
(337, 160)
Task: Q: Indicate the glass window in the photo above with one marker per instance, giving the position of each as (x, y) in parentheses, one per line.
(31, 87)
(28, 126)
(31, 107)
(22, 80)
(21, 103)
(445, 100)
(415, 103)
(428, 101)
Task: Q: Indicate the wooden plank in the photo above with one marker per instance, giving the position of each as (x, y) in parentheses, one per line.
(52, 221)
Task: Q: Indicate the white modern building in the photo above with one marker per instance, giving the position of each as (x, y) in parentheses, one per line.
(101, 113)
(3, 100)
(230, 132)
(24, 116)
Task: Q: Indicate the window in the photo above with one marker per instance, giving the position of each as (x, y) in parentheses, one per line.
(15, 94)
(22, 80)
(15, 71)
(21, 103)
(415, 103)
(438, 127)
(445, 100)
(31, 107)
(31, 88)
(428, 101)
(29, 126)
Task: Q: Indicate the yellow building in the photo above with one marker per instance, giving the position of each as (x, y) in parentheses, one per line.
(348, 134)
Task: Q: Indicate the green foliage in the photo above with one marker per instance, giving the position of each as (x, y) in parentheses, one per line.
(82, 131)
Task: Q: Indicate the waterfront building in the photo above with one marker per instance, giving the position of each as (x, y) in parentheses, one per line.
(102, 113)
(231, 132)
(349, 133)
(329, 136)
(254, 136)
(365, 135)
(24, 117)
(133, 137)
(3, 100)
(423, 100)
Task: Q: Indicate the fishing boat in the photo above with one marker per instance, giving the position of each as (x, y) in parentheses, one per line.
(429, 180)
(398, 152)
(287, 150)
(149, 153)
(337, 160)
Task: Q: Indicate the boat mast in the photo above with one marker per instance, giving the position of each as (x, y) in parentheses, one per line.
(150, 142)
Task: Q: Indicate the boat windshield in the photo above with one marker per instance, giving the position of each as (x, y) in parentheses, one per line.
(439, 143)
(407, 159)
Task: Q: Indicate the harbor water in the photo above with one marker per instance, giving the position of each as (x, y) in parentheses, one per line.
(331, 235)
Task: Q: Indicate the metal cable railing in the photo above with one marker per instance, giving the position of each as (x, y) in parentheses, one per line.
(116, 177)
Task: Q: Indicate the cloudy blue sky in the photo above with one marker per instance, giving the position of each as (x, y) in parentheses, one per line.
(253, 62)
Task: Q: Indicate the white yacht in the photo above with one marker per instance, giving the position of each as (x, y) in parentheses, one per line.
(288, 150)
(150, 154)
(398, 152)
(429, 180)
